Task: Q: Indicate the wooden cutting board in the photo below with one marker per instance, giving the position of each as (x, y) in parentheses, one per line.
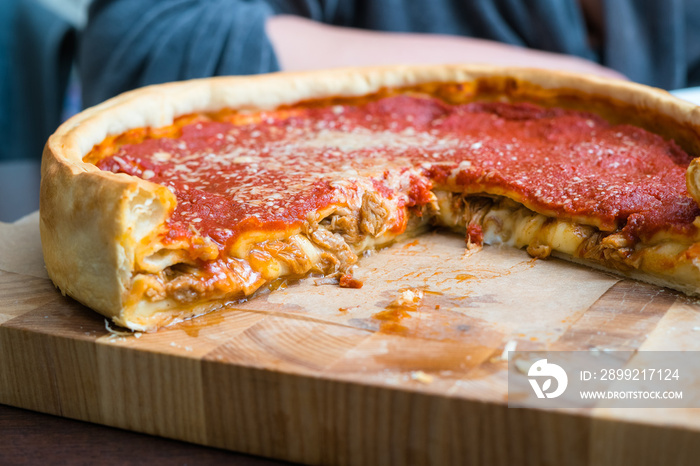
(324, 375)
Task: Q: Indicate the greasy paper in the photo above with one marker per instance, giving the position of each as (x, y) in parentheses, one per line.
(493, 290)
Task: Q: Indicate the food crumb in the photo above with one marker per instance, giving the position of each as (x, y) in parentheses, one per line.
(507, 349)
(348, 281)
(409, 296)
(422, 377)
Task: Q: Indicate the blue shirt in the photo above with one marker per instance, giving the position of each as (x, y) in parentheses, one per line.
(131, 43)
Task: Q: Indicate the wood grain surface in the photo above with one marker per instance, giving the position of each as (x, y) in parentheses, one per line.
(318, 374)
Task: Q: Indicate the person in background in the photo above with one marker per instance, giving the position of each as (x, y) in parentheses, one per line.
(132, 43)
(37, 50)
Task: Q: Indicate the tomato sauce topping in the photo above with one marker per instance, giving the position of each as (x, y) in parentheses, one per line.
(269, 174)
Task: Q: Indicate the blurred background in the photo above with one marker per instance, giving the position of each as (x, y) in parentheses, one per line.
(37, 51)
(38, 90)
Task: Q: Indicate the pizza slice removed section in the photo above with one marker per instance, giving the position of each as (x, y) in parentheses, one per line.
(173, 200)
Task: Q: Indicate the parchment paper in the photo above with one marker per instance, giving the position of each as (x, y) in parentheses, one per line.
(20, 247)
(495, 290)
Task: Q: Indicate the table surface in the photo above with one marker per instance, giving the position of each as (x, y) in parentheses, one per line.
(28, 437)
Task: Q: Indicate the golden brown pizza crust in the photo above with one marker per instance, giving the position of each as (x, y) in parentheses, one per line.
(93, 222)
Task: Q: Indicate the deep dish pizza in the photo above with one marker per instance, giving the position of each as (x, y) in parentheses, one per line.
(173, 200)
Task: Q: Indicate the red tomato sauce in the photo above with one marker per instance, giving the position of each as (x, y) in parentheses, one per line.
(268, 175)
